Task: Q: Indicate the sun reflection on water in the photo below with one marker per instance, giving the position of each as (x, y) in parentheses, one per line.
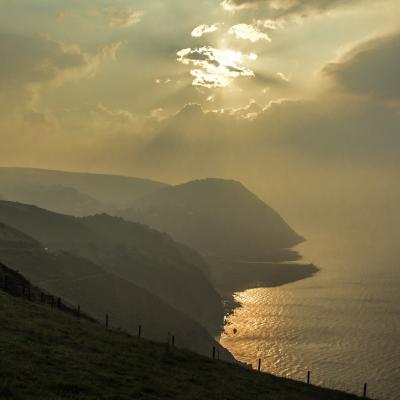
(251, 332)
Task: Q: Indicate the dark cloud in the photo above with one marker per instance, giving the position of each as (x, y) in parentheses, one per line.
(30, 63)
(372, 68)
(32, 59)
(39, 58)
(280, 8)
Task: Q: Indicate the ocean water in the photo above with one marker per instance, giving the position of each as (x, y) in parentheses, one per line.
(343, 324)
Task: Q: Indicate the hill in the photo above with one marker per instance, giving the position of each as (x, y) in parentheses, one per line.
(79, 281)
(48, 354)
(131, 251)
(71, 192)
(57, 198)
(220, 218)
(15, 284)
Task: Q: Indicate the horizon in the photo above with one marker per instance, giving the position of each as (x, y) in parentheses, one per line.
(313, 117)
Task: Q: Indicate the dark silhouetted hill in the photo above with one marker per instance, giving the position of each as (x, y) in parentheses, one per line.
(217, 217)
(132, 251)
(99, 292)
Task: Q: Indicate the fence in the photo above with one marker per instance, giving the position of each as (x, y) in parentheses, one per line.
(23, 288)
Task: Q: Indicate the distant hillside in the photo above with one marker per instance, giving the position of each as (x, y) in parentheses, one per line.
(11, 237)
(217, 217)
(99, 292)
(132, 251)
(58, 198)
(47, 354)
(73, 193)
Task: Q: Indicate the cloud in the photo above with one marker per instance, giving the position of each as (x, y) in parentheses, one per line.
(216, 67)
(248, 32)
(122, 17)
(283, 76)
(371, 68)
(279, 8)
(88, 65)
(30, 63)
(201, 30)
(233, 5)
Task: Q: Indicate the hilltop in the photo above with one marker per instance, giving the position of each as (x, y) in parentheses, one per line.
(73, 193)
(217, 217)
(48, 354)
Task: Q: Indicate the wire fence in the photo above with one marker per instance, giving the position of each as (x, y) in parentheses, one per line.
(16, 285)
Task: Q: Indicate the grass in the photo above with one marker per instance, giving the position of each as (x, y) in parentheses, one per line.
(48, 354)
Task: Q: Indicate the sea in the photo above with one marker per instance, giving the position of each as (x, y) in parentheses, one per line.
(342, 325)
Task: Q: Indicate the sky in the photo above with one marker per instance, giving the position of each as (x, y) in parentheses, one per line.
(298, 99)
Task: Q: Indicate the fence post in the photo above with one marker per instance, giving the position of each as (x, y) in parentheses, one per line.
(308, 377)
(218, 355)
(167, 347)
(140, 331)
(365, 391)
(173, 340)
(213, 353)
(259, 365)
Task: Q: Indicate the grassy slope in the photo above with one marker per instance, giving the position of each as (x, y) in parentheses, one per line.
(134, 252)
(47, 354)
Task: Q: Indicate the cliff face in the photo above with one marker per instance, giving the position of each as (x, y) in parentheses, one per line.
(217, 217)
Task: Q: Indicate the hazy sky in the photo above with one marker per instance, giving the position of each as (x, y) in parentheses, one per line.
(282, 94)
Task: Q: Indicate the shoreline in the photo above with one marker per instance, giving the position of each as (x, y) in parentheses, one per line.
(231, 277)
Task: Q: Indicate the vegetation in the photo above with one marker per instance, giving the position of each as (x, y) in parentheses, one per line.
(47, 354)
(131, 251)
(218, 218)
(79, 281)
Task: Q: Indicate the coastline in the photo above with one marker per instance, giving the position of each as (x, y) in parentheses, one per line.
(230, 277)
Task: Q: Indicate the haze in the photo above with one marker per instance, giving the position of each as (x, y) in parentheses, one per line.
(254, 126)
(298, 100)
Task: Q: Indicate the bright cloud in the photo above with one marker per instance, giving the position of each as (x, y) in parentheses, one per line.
(269, 24)
(216, 67)
(201, 30)
(248, 32)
